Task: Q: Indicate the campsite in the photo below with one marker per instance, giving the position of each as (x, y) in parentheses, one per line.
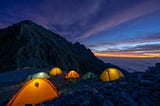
(79, 53)
(75, 77)
(57, 90)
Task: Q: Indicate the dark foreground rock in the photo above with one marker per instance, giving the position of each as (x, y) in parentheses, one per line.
(137, 89)
(27, 44)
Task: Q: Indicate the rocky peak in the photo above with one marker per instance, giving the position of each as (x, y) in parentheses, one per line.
(29, 44)
(26, 23)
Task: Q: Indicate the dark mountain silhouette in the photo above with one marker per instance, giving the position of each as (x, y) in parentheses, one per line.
(28, 44)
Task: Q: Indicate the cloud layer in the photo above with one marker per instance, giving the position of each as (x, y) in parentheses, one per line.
(146, 47)
(120, 24)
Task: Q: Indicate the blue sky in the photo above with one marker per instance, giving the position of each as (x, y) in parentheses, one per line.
(105, 26)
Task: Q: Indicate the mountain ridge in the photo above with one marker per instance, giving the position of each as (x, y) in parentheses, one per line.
(28, 44)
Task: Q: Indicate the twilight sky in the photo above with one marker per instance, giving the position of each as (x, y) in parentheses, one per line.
(116, 28)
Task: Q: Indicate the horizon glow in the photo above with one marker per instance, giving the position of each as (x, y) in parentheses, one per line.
(110, 28)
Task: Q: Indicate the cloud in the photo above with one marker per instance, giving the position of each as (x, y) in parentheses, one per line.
(73, 18)
(153, 48)
(60, 13)
(148, 38)
(131, 13)
(65, 13)
(143, 47)
(137, 51)
(57, 11)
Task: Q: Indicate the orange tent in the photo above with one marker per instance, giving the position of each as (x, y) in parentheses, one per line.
(33, 92)
(55, 71)
(72, 74)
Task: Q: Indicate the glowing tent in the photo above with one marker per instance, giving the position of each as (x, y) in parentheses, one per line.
(110, 74)
(72, 74)
(38, 75)
(33, 92)
(55, 71)
(89, 75)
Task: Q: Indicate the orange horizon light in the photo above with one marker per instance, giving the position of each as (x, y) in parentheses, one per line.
(129, 55)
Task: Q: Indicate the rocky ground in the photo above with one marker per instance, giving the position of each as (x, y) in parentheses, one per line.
(136, 89)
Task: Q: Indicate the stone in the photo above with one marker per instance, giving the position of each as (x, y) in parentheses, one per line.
(107, 102)
(31, 45)
(128, 99)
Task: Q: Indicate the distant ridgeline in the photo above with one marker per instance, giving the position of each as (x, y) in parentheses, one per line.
(27, 44)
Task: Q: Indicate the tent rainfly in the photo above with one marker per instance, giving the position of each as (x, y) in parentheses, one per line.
(38, 75)
(110, 74)
(34, 92)
(72, 74)
(89, 75)
(55, 71)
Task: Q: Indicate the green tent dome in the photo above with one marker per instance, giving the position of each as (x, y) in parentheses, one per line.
(38, 75)
(89, 75)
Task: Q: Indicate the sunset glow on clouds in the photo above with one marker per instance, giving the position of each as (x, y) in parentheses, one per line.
(112, 28)
(145, 48)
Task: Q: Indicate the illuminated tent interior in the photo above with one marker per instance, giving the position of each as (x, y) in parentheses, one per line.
(110, 74)
(33, 92)
(72, 74)
(89, 75)
(38, 75)
(55, 71)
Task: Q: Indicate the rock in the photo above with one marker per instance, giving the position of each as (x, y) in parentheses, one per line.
(95, 91)
(86, 103)
(28, 44)
(134, 95)
(97, 100)
(129, 91)
(147, 100)
(156, 86)
(143, 103)
(157, 65)
(107, 102)
(128, 99)
(147, 82)
(105, 85)
(153, 70)
(140, 77)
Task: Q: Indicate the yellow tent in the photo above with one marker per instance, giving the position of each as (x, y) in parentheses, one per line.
(72, 74)
(33, 92)
(110, 74)
(55, 71)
